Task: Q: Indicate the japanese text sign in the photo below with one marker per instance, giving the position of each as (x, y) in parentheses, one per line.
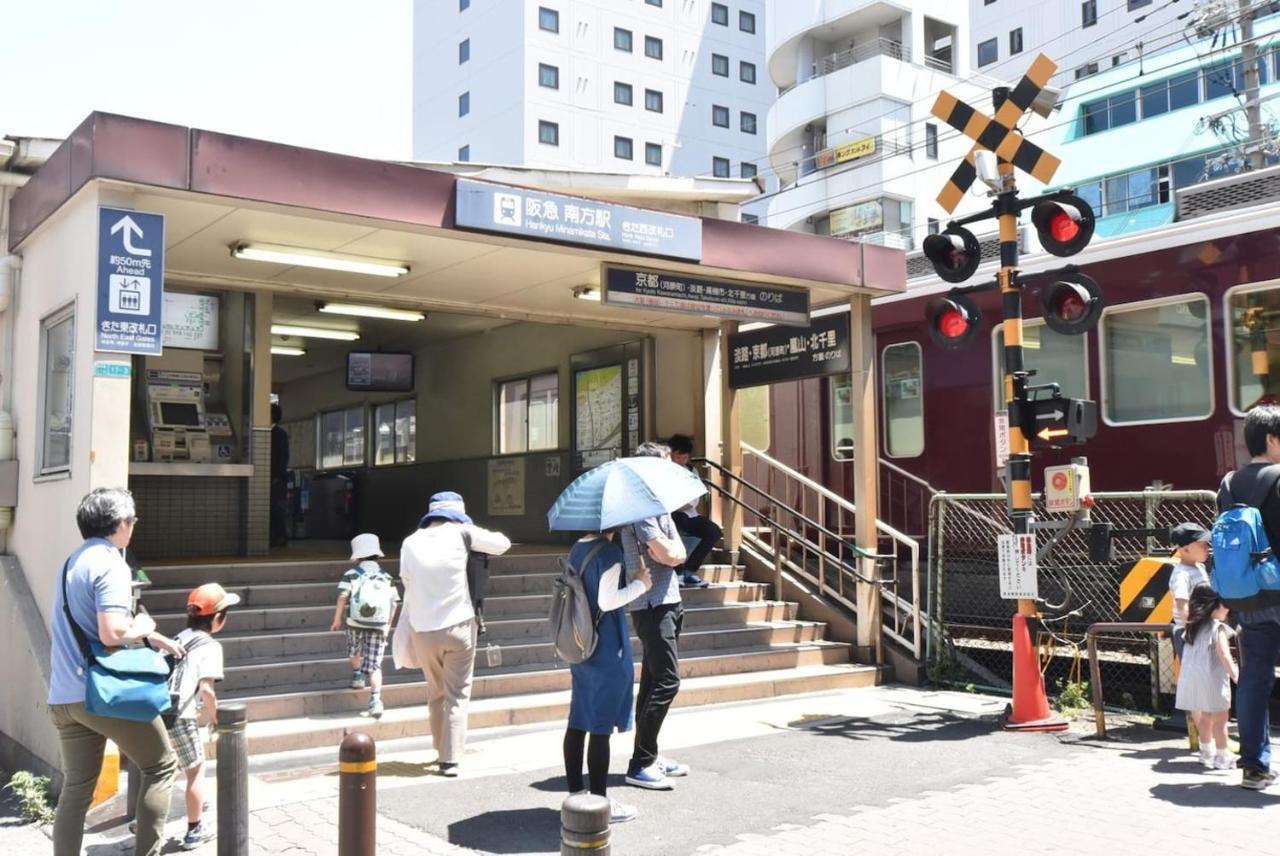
(786, 353)
(130, 282)
(671, 292)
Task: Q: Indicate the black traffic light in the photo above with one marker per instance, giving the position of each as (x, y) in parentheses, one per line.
(953, 320)
(1071, 303)
(955, 253)
(1058, 421)
(1064, 223)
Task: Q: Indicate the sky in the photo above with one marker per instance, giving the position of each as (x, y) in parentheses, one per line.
(326, 74)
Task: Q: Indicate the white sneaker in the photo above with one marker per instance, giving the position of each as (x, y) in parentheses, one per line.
(1224, 761)
(1206, 758)
(620, 812)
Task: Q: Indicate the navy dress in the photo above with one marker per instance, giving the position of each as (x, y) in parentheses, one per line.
(602, 684)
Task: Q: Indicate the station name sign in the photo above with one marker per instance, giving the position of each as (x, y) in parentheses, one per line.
(673, 292)
(776, 354)
(574, 220)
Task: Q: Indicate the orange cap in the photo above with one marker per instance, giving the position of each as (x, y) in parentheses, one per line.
(210, 599)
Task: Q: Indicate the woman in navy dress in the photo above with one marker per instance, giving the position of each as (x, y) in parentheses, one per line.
(602, 684)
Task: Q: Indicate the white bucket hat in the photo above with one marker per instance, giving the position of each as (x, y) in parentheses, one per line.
(365, 545)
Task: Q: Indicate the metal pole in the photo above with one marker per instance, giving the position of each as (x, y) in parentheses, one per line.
(233, 781)
(1095, 684)
(584, 826)
(1252, 106)
(357, 795)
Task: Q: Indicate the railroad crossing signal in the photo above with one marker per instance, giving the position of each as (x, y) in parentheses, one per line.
(997, 134)
(1059, 421)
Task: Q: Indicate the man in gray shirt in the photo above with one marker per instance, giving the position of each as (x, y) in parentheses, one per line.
(657, 617)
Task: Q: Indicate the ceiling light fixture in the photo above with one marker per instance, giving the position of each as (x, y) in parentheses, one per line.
(287, 351)
(364, 311)
(586, 292)
(317, 259)
(313, 332)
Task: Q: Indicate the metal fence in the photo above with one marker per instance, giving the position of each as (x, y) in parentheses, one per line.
(970, 635)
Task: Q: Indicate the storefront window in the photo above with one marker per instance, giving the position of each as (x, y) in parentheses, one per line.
(341, 438)
(1255, 348)
(903, 401)
(395, 427)
(1054, 357)
(1156, 362)
(842, 418)
(528, 414)
(57, 334)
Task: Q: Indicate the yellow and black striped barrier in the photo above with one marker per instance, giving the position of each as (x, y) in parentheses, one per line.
(1144, 591)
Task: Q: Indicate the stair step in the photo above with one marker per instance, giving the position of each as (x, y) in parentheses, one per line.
(317, 729)
(318, 570)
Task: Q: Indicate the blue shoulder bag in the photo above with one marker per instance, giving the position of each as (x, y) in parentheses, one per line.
(124, 683)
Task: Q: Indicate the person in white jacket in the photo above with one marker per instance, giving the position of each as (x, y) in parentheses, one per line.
(437, 607)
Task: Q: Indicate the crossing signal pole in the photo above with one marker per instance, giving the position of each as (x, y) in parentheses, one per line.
(1065, 224)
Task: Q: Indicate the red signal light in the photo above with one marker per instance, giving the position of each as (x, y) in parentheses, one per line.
(1065, 224)
(1071, 304)
(1063, 228)
(955, 253)
(953, 320)
(953, 324)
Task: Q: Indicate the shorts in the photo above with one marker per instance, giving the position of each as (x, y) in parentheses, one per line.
(369, 645)
(188, 744)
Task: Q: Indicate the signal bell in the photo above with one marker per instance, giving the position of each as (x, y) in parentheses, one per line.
(1071, 304)
(955, 253)
(1065, 224)
(953, 320)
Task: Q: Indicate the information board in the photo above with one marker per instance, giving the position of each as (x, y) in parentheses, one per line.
(1019, 579)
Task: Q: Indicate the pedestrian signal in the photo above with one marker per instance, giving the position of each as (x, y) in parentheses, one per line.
(1065, 224)
(955, 253)
(1071, 304)
(953, 320)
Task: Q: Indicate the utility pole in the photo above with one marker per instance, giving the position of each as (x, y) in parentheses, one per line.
(1252, 107)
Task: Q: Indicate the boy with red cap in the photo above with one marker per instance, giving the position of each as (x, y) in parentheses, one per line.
(194, 701)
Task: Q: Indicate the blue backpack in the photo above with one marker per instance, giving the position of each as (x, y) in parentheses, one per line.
(1243, 562)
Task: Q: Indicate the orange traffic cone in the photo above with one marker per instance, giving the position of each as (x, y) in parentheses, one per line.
(1031, 710)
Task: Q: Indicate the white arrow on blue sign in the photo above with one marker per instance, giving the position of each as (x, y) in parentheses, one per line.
(130, 282)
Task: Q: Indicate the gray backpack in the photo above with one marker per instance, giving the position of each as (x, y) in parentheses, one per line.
(573, 617)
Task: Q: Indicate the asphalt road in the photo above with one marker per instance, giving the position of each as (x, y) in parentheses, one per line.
(743, 786)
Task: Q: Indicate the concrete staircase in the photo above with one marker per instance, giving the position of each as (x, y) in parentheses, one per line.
(292, 672)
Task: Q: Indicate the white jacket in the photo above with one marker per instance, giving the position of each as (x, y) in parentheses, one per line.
(433, 565)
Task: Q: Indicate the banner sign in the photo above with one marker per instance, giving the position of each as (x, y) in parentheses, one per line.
(130, 282)
(190, 321)
(575, 220)
(672, 292)
(846, 152)
(857, 218)
(776, 354)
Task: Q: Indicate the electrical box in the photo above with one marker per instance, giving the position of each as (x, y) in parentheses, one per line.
(1065, 488)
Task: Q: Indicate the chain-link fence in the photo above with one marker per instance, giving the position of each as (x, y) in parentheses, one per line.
(970, 635)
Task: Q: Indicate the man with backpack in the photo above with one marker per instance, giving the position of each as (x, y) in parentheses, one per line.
(366, 606)
(1247, 577)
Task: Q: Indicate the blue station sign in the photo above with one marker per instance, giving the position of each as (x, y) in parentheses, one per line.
(130, 282)
(574, 220)
(675, 292)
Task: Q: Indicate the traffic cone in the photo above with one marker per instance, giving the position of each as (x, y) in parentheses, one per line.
(1031, 711)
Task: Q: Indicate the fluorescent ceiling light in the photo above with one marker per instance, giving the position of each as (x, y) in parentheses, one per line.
(586, 292)
(364, 311)
(317, 259)
(1180, 360)
(313, 332)
(286, 351)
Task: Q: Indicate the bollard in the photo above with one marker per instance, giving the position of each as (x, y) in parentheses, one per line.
(233, 781)
(584, 825)
(357, 795)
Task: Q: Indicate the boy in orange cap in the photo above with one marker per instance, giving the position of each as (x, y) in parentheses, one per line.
(193, 699)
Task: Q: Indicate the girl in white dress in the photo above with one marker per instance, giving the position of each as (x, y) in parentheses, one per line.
(1204, 685)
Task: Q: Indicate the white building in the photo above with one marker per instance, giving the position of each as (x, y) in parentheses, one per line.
(674, 87)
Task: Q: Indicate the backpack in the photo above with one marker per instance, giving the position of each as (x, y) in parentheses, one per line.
(373, 596)
(477, 579)
(178, 668)
(1243, 562)
(573, 619)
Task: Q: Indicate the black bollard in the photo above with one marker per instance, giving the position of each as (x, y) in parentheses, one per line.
(233, 781)
(357, 795)
(584, 825)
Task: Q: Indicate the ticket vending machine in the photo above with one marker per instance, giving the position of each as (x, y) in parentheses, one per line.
(176, 416)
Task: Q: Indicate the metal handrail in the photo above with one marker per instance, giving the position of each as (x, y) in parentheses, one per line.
(890, 465)
(1095, 670)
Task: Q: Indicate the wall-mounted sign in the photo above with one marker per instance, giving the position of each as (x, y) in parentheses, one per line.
(776, 354)
(190, 321)
(130, 282)
(574, 220)
(851, 150)
(857, 218)
(506, 487)
(672, 292)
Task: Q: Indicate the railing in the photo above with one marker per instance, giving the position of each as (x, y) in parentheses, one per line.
(897, 240)
(905, 498)
(782, 492)
(860, 53)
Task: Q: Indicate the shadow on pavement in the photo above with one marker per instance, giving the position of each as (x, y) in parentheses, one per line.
(557, 784)
(927, 728)
(1217, 794)
(527, 830)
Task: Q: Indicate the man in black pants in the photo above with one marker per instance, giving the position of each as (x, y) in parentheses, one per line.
(657, 617)
(689, 522)
(279, 531)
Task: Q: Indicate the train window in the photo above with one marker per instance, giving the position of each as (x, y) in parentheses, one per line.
(1254, 315)
(753, 417)
(1056, 358)
(1155, 359)
(842, 418)
(902, 401)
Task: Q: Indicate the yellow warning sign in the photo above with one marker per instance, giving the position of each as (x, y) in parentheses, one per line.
(1144, 591)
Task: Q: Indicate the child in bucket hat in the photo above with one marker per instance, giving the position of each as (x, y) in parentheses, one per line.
(366, 607)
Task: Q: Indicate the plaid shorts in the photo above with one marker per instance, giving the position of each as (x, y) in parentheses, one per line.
(188, 743)
(369, 645)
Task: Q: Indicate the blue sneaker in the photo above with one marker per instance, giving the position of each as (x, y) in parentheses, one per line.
(673, 769)
(651, 777)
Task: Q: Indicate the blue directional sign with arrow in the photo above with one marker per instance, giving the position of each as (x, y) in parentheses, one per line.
(130, 282)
